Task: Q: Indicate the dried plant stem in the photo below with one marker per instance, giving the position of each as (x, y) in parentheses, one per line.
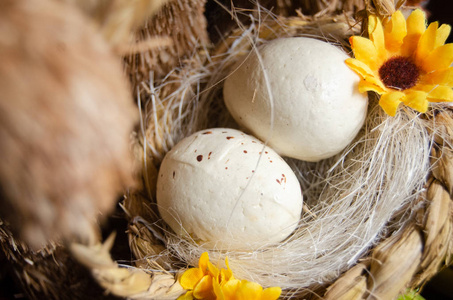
(130, 282)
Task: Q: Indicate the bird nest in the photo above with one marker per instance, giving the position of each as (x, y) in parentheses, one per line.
(376, 219)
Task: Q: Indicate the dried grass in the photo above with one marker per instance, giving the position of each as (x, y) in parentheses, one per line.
(118, 19)
(180, 22)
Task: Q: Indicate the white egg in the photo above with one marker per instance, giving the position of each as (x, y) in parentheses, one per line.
(226, 190)
(317, 107)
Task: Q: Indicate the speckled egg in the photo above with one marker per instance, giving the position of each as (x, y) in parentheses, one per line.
(226, 190)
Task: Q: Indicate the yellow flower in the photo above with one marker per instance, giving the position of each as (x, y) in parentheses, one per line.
(404, 61)
(208, 282)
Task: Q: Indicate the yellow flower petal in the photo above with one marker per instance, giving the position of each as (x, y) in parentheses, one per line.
(442, 34)
(365, 51)
(441, 94)
(203, 262)
(271, 293)
(204, 289)
(213, 270)
(371, 84)
(218, 291)
(416, 25)
(359, 67)
(426, 42)
(249, 290)
(186, 296)
(409, 45)
(190, 278)
(436, 93)
(416, 22)
(442, 77)
(390, 101)
(376, 34)
(230, 288)
(227, 274)
(416, 100)
(440, 58)
(394, 31)
(227, 263)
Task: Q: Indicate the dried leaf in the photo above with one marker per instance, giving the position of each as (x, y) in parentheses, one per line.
(394, 263)
(350, 286)
(437, 233)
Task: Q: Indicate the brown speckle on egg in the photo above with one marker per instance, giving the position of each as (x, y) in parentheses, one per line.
(200, 157)
(229, 137)
(245, 151)
(207, 132)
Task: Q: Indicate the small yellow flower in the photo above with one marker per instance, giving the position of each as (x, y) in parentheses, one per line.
(404, 61)
(208, 282)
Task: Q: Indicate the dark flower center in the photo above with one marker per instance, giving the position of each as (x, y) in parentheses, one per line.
(399, 73)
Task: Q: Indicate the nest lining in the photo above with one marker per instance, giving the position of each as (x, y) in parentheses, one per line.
(351, 198)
